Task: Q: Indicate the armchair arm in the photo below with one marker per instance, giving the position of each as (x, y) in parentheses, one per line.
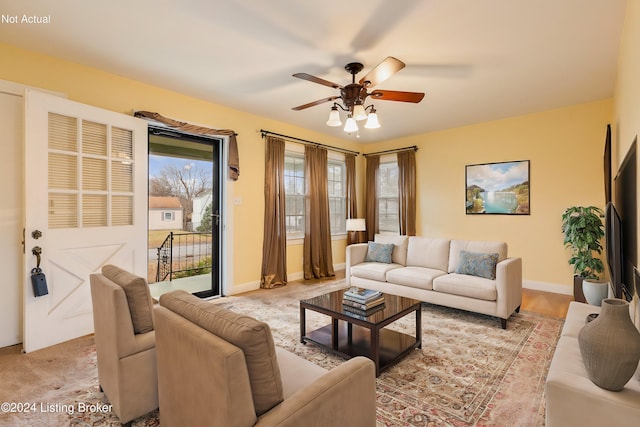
(344, 396)
(355, 255)
(508, 286)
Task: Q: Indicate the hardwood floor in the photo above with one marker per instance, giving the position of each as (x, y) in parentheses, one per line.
(548, 303)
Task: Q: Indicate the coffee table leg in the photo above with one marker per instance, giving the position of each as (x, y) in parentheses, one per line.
(419, 327)
(302, 325)
(334, 333)
(374, 351)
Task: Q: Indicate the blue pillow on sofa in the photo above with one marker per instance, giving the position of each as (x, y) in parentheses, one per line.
(478, 264)
(379, 252)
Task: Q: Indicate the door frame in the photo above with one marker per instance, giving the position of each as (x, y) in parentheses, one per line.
(226, 200)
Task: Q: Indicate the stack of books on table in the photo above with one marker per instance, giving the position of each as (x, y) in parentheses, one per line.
(362, 302)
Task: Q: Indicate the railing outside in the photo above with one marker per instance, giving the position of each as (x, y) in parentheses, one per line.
(184, 254)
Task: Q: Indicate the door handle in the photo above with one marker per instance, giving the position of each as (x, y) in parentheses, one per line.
(36, 234)
(37, 251)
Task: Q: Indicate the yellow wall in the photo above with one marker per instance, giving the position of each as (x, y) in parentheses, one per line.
(111, 92)
(565, 149)
(627, 96)
(564, 146)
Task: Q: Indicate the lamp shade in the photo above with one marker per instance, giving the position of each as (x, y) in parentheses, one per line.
(358, 112)
(356, 224)
(350, 125)
(334, 118)
(372, 121)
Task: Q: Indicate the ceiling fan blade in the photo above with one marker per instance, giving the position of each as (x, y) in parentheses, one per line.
(318, 102)
(382, 71)
(394, 95)
(314, 79)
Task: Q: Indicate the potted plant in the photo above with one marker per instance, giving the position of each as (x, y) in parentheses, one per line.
(583, 232)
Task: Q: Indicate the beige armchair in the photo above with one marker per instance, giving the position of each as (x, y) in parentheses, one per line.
(218, 368)
(125, 342)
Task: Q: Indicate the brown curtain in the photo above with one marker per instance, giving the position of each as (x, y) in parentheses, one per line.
(317, 259)
(352, 201)
(407, 192)
(233, 158)
(274, 246)
(371, 199)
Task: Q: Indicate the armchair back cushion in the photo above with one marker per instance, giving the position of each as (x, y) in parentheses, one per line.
(138, 297)
(478, 246)
(250, 335)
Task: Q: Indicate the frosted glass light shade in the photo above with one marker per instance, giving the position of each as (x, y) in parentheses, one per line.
(356, 224)
(358, 112)
(350, 125)
(334, 118)
(372, 121)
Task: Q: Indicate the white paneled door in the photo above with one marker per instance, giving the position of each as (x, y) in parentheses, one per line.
(85, 206)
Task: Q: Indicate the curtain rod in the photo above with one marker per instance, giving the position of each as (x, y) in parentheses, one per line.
(395, 150)
(307, 142)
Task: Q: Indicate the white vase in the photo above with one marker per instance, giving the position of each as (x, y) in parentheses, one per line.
(595, 291)
(610, 346)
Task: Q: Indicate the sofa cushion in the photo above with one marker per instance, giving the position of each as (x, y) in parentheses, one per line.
(138, 297)
(428, 252)
(399, 255)
(252, 336)
(478, 264)
(467, 286)
(482, 246)
(379, 252)
(415, 277)
(373, 270)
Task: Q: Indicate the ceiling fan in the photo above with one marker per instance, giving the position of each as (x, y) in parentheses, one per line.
(354, 95)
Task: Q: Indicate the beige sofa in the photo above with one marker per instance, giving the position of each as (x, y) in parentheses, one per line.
(425, 269)
(571, 398)
(220, 368)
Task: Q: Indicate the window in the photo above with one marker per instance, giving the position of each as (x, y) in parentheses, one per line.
(168, 216)
(388, 207)
(294, 188)
(294, 194)
(336, 187)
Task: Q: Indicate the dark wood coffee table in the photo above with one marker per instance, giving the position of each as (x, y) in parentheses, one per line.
(350, 335)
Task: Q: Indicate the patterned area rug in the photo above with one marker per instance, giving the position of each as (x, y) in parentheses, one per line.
(469, 372)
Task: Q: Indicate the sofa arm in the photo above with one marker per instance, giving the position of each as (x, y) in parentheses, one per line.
(508, 286)
(355, 255)
(344, 396)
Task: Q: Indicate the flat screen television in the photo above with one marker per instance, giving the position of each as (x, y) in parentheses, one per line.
(625, 194)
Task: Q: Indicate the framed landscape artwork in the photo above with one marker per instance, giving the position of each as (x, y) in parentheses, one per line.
(498, 188)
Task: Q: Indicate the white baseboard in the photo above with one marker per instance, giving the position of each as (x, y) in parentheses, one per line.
(556, 288)
(255, 285)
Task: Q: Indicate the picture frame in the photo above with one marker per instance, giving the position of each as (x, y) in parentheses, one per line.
(500, 188)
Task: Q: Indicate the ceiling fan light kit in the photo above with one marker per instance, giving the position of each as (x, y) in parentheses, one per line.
(334, 117)
(354, 95)
(350, 125)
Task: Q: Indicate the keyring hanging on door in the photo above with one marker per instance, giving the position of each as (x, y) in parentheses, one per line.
(38, 279)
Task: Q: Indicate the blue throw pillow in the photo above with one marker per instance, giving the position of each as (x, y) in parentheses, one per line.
(478, 264)
(379, 252)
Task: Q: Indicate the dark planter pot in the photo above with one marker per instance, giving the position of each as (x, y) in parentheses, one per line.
(577, 289)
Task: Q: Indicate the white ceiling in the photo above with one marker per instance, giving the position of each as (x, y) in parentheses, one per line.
(476, 60)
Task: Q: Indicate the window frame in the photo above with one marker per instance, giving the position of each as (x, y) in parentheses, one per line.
(334, 158)
(296, 152)
(389, 161)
